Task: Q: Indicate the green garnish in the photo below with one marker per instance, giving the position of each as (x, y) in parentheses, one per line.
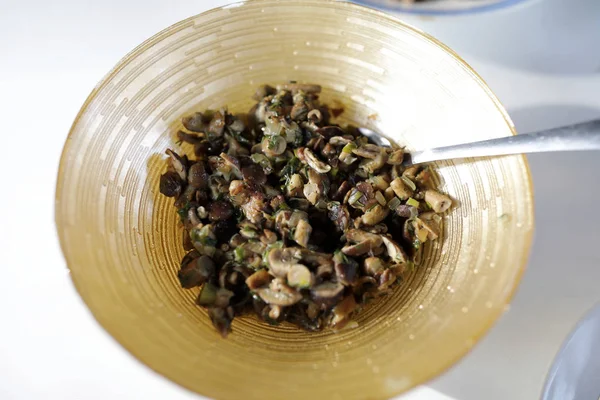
(412, 202)
(394, 203)
(349, 147)
(238, 254)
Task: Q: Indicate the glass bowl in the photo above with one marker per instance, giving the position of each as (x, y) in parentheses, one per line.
(439, 7)
(122, 242)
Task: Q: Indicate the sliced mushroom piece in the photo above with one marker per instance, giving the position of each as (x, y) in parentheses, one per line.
(377, 229)
(263, 161)
(367, 151)
(358, 236)
(345, 268)
(339, 214)
(379, 182)
(424, 178)
(411, 172)
(254, 175)
(234, 148)
(197, 272)
(342, 312)
(339, 141)
(221, 320)
(220, 210)
(236, 187)
(189, 137)
(194, 122)
(396, 157)
(363, 281)
(396, 172)
(186, 240)
(342, 191)
(370, 166)
(236, 125)
(315, 258)
(275, 312)
(255, 246)
(299, 276)
(324, 271)
(401, 189)
(389, 194)
(357, 249)
(281, 260)
(216, 127)
(268, 237)
(311, 192)
(282, 220)
(273, 145)
(427, 222)
(295, 185)
(279, 297)
(197, 176)
(170, 184)
(253, 208)
(329, 152)
(405, 211)
(193, 218)
(394, 251)
(439, 202)
(327, 293)
(302, 233)
(373, 266)
(399, 269)
(386, 279)
(375, 215)
(178, 164)
(234, 164)
(222, 297)
(366, 188)
(315, 116)
(315, 163)
(299, 111)
(258, 279)
(286, 220)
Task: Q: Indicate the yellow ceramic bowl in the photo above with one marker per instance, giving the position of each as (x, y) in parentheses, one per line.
(122, 241)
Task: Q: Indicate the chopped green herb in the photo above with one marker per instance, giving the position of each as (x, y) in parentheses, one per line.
(412, 202)
(349, 147)
(239, 254)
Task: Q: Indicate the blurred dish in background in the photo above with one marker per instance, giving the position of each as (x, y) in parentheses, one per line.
(438, 7)
(550, 36)
(574, 374)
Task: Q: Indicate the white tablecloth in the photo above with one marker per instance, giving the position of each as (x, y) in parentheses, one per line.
(51, 56)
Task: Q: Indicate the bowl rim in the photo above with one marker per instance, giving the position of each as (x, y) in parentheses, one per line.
(410, 9)
(441, 367)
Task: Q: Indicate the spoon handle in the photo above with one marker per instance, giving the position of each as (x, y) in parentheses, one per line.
(583, 136)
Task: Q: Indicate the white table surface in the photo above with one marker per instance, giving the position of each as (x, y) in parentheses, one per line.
(53, 53)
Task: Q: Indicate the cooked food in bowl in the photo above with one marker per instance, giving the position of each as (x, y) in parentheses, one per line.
(122, 238)
(292, 217)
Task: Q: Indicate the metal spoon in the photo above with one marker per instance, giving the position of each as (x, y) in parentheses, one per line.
(583, 136)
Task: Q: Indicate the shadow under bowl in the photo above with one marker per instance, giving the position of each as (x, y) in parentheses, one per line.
(122, 242)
